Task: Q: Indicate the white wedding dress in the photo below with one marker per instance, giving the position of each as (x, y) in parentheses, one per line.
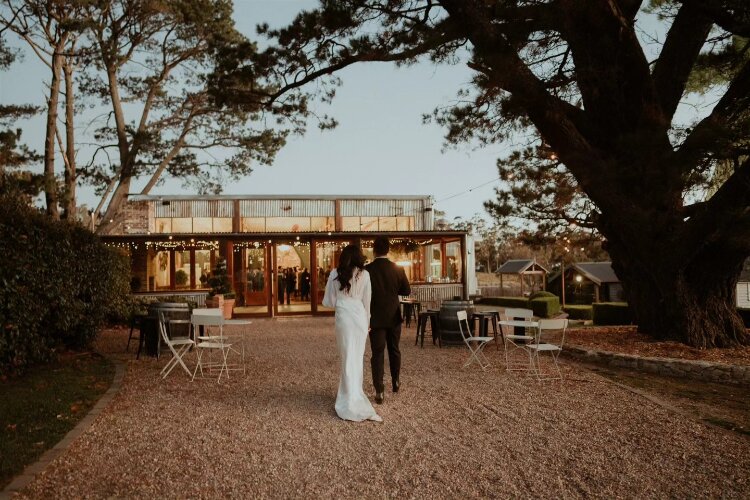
(352, 322)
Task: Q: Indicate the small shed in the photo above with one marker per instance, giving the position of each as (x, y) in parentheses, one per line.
(588, 282)
(530, 273)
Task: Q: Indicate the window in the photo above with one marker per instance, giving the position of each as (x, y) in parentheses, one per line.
(222, 224)
(350, 223)
(162, 225)
(182, 270)
(453, 261)
(202, 225)
(287, 224)
(253, 225)
(322, 224)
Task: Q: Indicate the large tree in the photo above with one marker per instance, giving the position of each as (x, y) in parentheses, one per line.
(149, 60)
(578, 75)
(51, 29)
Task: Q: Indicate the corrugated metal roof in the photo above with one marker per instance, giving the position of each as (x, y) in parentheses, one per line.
(598, 272)
(154, 197)
(517, 266)
(193, 208)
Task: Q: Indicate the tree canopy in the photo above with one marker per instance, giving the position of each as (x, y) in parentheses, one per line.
(598, 100)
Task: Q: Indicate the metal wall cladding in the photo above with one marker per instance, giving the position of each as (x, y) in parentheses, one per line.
(287, 208)
(194, 208)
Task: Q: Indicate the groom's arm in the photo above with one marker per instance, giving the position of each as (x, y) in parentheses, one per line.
(403, 283)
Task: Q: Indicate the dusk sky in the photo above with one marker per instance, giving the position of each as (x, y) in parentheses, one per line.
(380, 146)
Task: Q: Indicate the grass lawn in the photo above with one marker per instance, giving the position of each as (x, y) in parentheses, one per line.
(40, 407)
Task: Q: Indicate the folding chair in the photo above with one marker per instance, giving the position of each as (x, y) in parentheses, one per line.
(513, 341)
(554, 347)
(475, 344)
(178, 347)
(206, 342)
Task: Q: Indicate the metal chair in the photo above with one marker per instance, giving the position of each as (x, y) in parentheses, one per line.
(518, 340)
(554, 347)
(475, 344)
(178, 346)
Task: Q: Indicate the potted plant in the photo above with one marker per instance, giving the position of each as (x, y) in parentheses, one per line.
(221, 294)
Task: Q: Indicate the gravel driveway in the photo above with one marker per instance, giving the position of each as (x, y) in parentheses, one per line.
(450, 432)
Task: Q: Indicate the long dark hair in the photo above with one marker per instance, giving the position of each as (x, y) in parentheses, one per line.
(351, 258)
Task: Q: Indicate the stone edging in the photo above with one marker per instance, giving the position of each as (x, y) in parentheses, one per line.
(696, 370)
(29, 473)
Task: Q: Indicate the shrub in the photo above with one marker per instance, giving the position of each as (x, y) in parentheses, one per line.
(541, 293)
(58, 286)
(220, 282)
(521, 302)
(611, 313)
(579, 312)
(181, 277)
(544, 306)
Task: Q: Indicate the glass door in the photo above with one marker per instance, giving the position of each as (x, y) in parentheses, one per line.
(292, 278)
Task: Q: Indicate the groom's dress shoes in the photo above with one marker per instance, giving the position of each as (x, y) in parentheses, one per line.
(379, 397)
(396, 385)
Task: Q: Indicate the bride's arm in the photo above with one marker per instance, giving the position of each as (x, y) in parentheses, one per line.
(367, 294)
(329, 299)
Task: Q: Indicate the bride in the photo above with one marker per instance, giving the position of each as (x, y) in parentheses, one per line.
(348, 290)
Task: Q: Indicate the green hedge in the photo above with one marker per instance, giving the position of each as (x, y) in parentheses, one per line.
(58, 285)
(521, 302)
(544, 306)
(611, 313)
(579, 312)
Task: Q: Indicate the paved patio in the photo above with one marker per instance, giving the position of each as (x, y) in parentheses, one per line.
(451, 432)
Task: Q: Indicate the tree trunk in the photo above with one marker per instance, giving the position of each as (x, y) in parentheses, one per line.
(694, 304)
(50, 182)
(127, 153)
(70, 146)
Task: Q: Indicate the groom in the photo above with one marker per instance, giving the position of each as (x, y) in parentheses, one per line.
(388, 282)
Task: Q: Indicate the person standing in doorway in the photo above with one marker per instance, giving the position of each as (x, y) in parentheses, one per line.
(281, 282)
(388, 282)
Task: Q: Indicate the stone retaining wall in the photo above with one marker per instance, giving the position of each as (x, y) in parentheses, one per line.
(696, 370)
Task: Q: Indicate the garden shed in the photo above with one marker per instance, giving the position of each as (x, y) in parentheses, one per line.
(588, 282)
(531, 275)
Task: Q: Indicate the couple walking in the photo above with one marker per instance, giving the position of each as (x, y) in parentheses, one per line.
(366, 299)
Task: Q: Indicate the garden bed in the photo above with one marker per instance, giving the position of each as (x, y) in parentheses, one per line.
(626, 340)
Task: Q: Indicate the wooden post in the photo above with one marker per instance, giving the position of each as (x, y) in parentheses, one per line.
(501, 284)
(562, 283)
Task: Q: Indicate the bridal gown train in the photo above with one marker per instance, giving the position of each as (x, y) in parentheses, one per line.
(352, 322)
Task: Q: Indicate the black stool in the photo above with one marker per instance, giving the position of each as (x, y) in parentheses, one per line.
(424, 318)
(484, 317)
(411, 310)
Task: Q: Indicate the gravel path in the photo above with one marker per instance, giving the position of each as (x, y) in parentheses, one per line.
(450, 432)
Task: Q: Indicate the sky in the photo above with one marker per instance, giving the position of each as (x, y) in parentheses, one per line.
(380, 146)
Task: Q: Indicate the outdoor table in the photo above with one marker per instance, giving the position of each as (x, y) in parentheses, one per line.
(484, 318)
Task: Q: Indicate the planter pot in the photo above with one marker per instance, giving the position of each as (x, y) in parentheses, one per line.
(216, 302)
(228, 306)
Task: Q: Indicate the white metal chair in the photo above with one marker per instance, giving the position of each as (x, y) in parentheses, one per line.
(552, 346)
(475, 344)
(178, 347)
(210, 341)
(512, 342)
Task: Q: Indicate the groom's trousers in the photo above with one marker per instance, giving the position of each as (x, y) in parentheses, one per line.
(380, 338)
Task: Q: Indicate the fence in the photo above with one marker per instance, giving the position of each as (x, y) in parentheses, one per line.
(197, 297)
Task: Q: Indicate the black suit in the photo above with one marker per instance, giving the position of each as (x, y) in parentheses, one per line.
(388, 282)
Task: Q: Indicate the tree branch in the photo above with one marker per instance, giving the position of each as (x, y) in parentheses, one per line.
(677, 58)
